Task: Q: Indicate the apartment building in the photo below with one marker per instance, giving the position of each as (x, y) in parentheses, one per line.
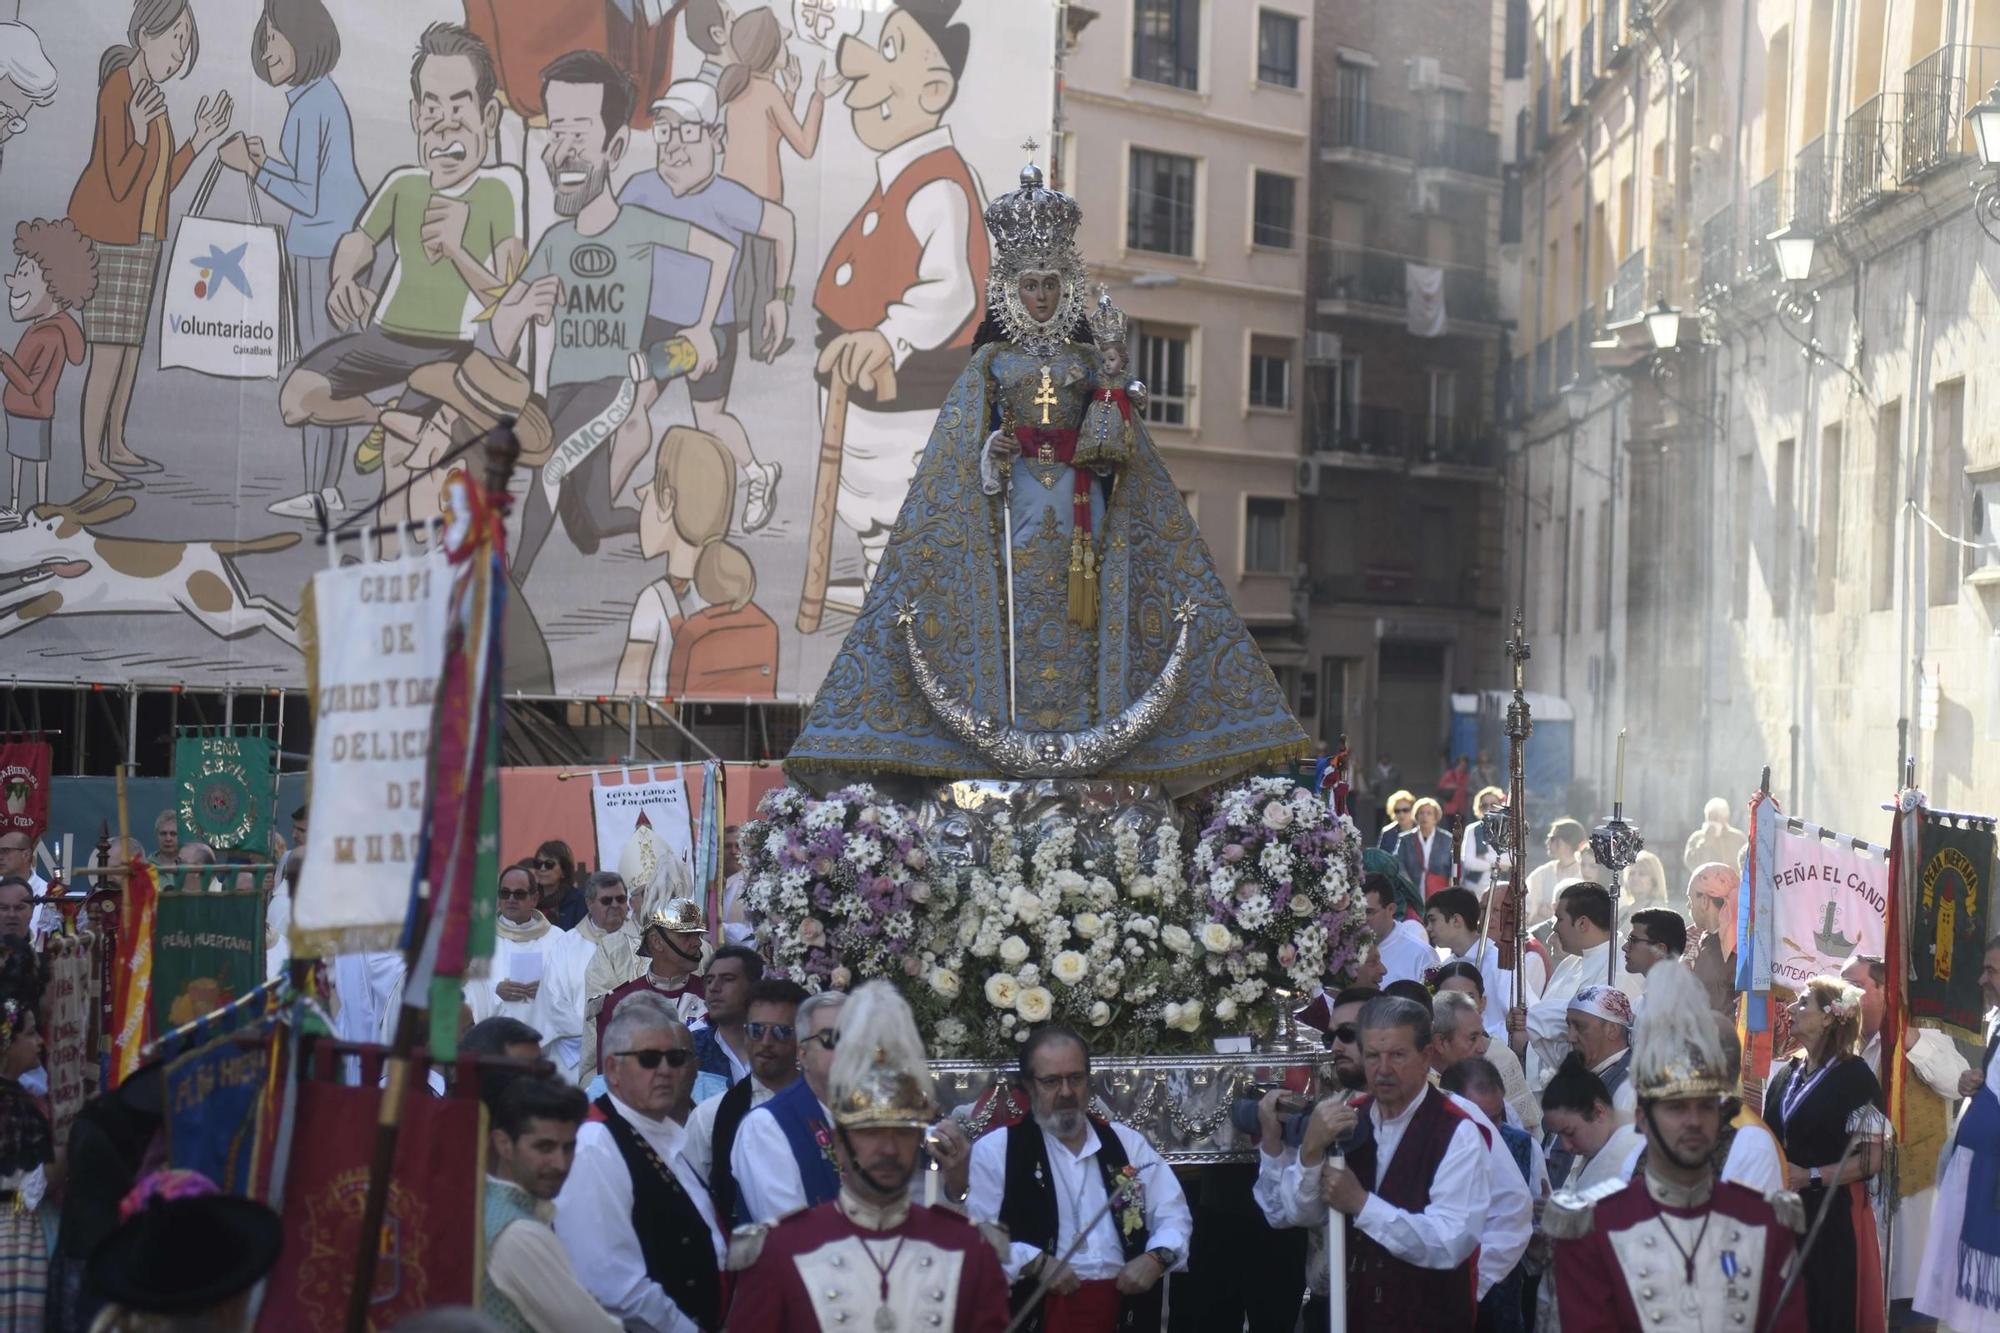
(1769, 543)
(1186, 128)
(1399, 479)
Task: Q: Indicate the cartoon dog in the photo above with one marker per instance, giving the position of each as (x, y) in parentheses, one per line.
(54, 564)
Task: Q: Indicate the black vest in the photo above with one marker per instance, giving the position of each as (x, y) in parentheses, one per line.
(1029, 1212)
(721, 1177)
(673, 1235)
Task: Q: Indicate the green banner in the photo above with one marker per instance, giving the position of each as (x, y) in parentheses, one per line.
(224, 786)
(208, 949)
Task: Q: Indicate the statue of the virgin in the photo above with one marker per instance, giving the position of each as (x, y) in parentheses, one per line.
(1045, 606)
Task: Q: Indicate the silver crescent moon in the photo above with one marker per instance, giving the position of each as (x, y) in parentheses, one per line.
(1053, 754)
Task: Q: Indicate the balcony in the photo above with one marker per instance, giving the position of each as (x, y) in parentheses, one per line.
(1718, 250)
(1628, 292)
(1353, 130)
(1565, 89)
(1872, 143)
(1377, 280)
(1565, 368)
(1447, 146)
(1613, 33)
(1937, 91)
(1586, 58)
(1385, 438)
(1761, 218)
(1815, 176)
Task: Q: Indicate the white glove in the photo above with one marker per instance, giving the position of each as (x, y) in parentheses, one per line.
(998, 447)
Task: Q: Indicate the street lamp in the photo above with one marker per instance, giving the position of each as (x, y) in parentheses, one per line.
(1576, 397)
(1985, 118)
(1664, 323)
(1794, 247)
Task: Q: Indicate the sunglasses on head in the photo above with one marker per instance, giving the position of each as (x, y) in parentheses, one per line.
(547, 863)
(828, 1038)
(651, 1059)
(776, 1031)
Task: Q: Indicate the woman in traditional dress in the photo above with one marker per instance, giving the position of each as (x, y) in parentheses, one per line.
(27, 1147)
(1824, 1096)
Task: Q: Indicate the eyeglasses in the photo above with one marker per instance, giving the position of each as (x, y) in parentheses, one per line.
(776, 1031)
(828, 1038)
(1347, 1034)
(507, 895)
(1404, 809)
(618, 901)
(687, 131)
(651, 1059)
(545, 863)
(1057, 1082)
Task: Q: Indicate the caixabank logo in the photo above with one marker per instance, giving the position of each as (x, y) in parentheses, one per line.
(220, 266)
(217, 269)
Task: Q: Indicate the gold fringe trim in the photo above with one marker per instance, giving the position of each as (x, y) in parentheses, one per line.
(345, 939)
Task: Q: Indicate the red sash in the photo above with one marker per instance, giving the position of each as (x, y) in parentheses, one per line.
(1055, 444)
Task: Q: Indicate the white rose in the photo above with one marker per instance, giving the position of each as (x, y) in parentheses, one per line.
(1170, 1014)
(1027, 906)
(1225, 1008)
(1277, 815)
(841, 978)
(945, 982)
(1190, 1017)
(1215, 937)
(1089, 925)
(1070, 967)
(1100, 1014)
(1301, 905)
(1177, 939)
(1141, 887)
(1014, 951)
(1001, 990)
(1035, 1004)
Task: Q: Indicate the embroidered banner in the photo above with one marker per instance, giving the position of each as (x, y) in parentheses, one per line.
(219, 1104)
(208, 950)
(1949, 910)
(374, 680)
(66, 1021)
(639, 825)
(224, 786)
(132, 976)
(1830, 899)
(24, 786)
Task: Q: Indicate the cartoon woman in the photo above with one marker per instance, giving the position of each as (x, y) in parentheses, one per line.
(696, 632)
(120, 203)
(312, 174)
(760, 117)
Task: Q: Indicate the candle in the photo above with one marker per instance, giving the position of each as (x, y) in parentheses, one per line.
(1618, 797)
(931, 1186)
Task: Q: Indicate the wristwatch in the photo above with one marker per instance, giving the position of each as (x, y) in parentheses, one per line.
(1814, 1176)
(1166, 1256)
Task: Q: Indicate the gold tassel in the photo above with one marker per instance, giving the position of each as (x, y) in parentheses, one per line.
(1089, 620)
(1082, 580)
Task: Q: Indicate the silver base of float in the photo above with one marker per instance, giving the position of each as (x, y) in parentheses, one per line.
(958, 816)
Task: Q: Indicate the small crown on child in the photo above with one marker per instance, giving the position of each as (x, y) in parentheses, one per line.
(1107, 322)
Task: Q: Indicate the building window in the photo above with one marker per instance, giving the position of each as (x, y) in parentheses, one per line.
(1882, 522)
(1277, 49)
(1945, 500)
(1441, 410)
(1264, 530)
(1164, 363)
(1166, 42)
(1826, 524)
(1160, 207)
(1271, 373)
(1275, 205)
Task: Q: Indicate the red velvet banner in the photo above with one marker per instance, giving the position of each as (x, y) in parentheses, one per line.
(430, 1233)
(24, 786)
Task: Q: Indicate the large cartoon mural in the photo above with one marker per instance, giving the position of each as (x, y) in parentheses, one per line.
(274, 260)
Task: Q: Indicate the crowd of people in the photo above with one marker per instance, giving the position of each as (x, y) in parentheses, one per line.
(679, 1141)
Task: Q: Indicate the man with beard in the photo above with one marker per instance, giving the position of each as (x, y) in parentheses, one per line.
(591, 281)
(1414, 1179)
(454, 224)
(529, 1282)
(782, 1160)
(1048, 1177)
(1675, 1248)
(772, 1030)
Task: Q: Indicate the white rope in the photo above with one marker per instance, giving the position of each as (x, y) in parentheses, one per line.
(1985, 544)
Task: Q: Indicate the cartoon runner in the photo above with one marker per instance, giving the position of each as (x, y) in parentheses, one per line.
(696, 631)
(295, 47)
(27, 79)
(55, 274)
(120, 203)
(688, 128)
(591, 278)
(900, 295)
(454, 223)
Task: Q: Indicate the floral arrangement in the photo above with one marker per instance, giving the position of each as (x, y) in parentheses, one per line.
(1131, 1191)
(840, 890)
(1279, 877)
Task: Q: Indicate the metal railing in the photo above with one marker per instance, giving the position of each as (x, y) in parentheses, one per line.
(1613, 34)
(1565, 86)
(1718, 250)
(1456, 147)
(1369, 127)
(1871, 149)
(1937, 92)
(1412, 436)
(1376, 277)
(1761, 218)
(1628, 290)
(1586, 57)
(1815, 176)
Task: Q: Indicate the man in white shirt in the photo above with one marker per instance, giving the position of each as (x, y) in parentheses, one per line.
(1400, 1244)
(772, 1031)
(782, 1159)
(1565, 845)
(1653, 936)
(1600, 1030)
(1583, 927)
(1044, 1178)
(17, 861)
(536, 974)
(529, 1281)
(1510, 1223)
(1404, 958)
(633, 1216)
(1452, 917)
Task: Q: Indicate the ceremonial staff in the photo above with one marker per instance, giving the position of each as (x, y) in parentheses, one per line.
(1507, 828)
(1616, 845)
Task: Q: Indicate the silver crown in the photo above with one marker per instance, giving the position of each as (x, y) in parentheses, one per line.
(1107, 322)
(1034, 222)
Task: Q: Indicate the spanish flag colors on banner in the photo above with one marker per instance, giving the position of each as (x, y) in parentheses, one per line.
(131, 1008)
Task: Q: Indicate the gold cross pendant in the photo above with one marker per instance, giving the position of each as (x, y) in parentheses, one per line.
(1045, 398)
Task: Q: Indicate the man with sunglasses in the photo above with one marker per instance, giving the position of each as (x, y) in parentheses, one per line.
(772, 1031)
(1046, 1180)
(782, 1159)
(633, 1216)
(537, 973)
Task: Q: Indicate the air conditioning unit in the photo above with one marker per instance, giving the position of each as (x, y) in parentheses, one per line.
(1310, 472)
(1425, 74)
(1322, 348)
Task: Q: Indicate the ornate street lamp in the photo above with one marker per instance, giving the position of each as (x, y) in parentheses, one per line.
(1985, 119)
(1576, 397)
(1663, 322)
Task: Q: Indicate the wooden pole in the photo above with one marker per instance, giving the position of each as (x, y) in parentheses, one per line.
(826, 494)
(502, 451)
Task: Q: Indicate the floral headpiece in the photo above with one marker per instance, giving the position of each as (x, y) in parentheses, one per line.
(163, 1186)
(10, 1022)
(1846, 1004)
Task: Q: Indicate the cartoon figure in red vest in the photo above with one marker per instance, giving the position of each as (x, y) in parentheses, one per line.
(900, 295)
